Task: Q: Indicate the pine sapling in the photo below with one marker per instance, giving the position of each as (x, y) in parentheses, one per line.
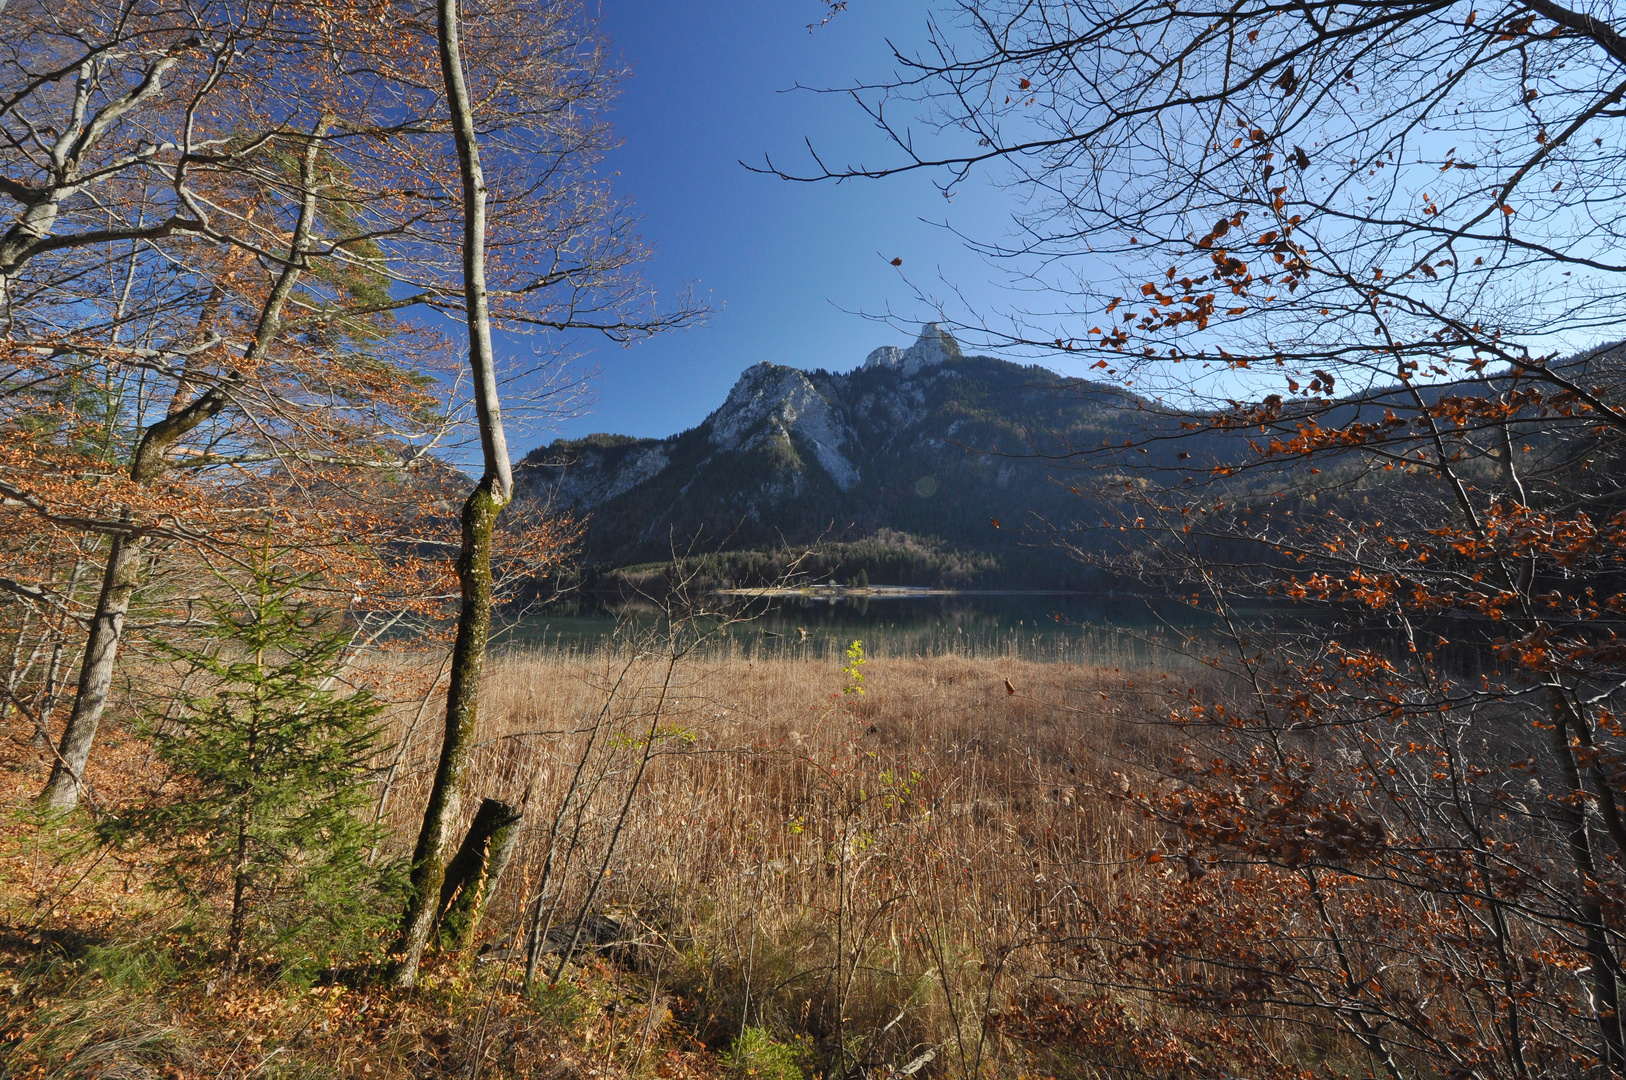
(269, 765)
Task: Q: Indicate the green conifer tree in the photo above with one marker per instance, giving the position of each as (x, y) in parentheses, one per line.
(269, 764)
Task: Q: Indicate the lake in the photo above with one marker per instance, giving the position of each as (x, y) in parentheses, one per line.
(1048, 627)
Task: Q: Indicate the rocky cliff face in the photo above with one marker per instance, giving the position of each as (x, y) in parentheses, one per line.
(780, 405)
(921, 439)
(934, 346)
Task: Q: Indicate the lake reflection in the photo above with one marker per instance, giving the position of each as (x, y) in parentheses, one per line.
(1066, 628)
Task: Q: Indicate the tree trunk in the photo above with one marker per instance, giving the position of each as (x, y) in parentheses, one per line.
(53, 676)
(1605, 965)
(61, 792)
(472, 875)
(239, 898)
(149, 462)
(444, 810)
(53, 673)
(494, 491)
(14, 673)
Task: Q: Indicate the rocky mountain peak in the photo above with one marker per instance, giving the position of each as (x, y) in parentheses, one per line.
(889, 356)
(848, 429)
(770, 401)
(923, 440)
(932, 347)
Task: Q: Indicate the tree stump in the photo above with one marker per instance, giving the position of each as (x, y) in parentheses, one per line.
(472, 874)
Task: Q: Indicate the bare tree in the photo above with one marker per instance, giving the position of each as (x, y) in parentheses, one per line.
(494, 491)
(581, 248)
(147, 150)
(274, 191)
(1363, 265)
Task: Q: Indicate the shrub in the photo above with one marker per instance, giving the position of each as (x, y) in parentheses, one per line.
(267, 780)
(756, 1053)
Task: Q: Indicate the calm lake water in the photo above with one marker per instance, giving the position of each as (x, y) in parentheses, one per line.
(1065, 628)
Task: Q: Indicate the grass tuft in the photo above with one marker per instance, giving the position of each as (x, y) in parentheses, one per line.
(755, 1053)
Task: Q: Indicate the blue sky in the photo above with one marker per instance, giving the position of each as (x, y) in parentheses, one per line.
(786, 267)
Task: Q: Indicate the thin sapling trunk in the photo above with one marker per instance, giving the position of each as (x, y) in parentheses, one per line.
(495, 489)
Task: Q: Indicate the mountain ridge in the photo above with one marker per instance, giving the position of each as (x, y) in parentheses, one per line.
(948, 462)
(924, 441)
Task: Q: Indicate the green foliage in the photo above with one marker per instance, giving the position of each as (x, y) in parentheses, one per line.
(91, 1037)
(135, 967)
(94, 1014)
(561, 1005)
(602, 440)
(887, 558)
(79, 412)
(357, 278)
(854, 669)
(268, 768)
(756, 1053)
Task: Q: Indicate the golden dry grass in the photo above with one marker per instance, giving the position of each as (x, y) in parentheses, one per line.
(803, 858)
(877, 872)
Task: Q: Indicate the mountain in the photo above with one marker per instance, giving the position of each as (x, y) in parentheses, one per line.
(924, 466)
(921, 445)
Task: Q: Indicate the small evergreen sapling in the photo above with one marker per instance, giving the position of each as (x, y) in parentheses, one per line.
(269, 768)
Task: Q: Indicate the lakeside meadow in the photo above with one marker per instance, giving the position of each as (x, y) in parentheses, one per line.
(1199, 655)
(793, 865)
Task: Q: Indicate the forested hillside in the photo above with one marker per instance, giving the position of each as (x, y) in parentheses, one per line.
(923, 448)
(928, 467)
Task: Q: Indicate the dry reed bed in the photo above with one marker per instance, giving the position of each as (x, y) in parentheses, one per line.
(879, 870)
(872, 872)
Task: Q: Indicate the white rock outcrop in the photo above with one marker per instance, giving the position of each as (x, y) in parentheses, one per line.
(587, 479)
(931, 348)
(885, 356)
(644, 465)
(770, 400)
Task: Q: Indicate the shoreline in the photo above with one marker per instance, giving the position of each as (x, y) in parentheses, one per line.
(894, 592)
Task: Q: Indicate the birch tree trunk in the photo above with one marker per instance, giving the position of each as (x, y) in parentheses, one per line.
(444, 810)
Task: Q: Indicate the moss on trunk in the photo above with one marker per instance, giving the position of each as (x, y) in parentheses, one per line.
(444, 810)
(472, 875)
